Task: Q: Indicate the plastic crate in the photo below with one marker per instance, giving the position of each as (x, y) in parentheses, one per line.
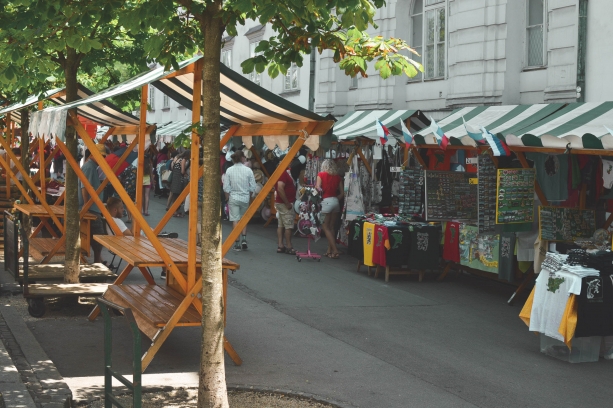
(584, 349)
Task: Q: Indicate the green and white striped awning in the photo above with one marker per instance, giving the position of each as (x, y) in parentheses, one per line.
(104, 112)
(583, 125)
(362, 123)
(503, 120)
(242, 102)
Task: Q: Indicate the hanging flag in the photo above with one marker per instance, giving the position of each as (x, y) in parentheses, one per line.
(441, 138)
(499, 148)
(609, 130)
(472, 131)
(408, 137)
(382, 131)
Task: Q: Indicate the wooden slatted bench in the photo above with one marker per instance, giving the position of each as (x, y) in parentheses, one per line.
(36, 293)
(152, 305)
(50, 272)
(41, 247)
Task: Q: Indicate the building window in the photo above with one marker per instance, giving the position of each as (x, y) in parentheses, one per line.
(433, 52)
(254, 76)
(354, 82)
(291, 78)
(151, 98)
(226, 58)
(535, 38)
(166, 101)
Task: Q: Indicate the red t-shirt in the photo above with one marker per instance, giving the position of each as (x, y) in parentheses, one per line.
(451, 248)
(439, 159)
(382, 243)
(290, 188)
(329, 184)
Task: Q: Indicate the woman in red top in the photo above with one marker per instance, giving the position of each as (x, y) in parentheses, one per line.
(332, 185)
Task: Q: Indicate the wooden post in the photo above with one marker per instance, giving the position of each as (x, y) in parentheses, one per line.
(418, 157)
(8, 136)
(366, 164)
(109, 133)
(141, 154)
(257, 158)
(41, 167)
(265, 190)
(192, 231)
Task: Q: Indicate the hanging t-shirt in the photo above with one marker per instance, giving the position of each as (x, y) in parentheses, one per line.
(607, 173)
(382, 243)
(551, 174)
(425, 247)
(595, 306)
(400, 245)
(439, 159)
(356, 239)
(505, 259)
(451, 248)
(369, 243)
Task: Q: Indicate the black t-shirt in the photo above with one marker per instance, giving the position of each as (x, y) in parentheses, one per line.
(356, 242)
(595, 306)
(425, 247)
(400, 246)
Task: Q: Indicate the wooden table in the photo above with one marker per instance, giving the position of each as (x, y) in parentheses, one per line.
(37, 210)
(153, 305)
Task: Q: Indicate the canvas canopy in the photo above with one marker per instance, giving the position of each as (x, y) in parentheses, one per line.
(242, 101)
(362, 123)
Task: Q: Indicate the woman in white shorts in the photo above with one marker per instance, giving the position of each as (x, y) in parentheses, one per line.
(332, 186)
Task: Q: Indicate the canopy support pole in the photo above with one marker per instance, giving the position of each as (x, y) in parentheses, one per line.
(42, 167)
(141, 155)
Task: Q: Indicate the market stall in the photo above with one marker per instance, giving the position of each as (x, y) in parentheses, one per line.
(248, 110)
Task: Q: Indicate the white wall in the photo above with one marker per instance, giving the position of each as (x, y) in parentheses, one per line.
(599, 52)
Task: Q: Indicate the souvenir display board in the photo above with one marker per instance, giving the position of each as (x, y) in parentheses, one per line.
(566, 224)
(410, 193)
(515, 196)
(451, 195)
(486, 173)
(479, 251)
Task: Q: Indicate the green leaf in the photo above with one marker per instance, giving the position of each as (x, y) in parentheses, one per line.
(385, 71)
(248, 65)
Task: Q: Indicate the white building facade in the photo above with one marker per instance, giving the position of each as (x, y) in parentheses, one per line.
(475, 52)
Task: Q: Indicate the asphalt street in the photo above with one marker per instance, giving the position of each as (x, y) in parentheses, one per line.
(324, 329)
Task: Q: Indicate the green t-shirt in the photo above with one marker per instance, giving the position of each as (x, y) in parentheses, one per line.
(551, 174)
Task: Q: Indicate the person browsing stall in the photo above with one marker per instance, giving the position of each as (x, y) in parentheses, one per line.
(116, 208)
(90, 170)
(284, 204)
(239, 185)
(331, 185)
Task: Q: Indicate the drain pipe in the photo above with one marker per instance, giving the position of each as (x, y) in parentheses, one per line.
(312, 81)
(581, 50)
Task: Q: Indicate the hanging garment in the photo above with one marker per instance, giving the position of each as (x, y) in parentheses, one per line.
(505, 260)
(369, 243)
(425, 247)
(400, 245)
(451, 248)
(382, 243)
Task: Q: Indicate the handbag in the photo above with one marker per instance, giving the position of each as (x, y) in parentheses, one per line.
(167, 176)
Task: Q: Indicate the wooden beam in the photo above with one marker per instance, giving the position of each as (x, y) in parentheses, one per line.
(28, 180)
(17, 181)
(418, 157)
(125, 130)
(255, 204)
(42, 167)
(554, 150)
(537, 187)
(254, 151)
(136, 214)
(140, 170)
(190, 69)
(364, 161)
(284, 128)
(107, 134)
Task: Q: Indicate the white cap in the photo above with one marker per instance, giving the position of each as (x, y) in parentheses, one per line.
(302, 159)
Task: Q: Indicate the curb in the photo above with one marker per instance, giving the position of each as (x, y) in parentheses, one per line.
(37, 371)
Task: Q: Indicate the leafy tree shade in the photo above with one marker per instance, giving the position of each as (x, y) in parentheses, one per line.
(47, 39)
(338, 25)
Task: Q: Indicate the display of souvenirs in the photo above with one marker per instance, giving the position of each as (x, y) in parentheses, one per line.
(451, 196)
(410, 196)
(515, 196)
(566, 224)
(479, 251)
(486, 173)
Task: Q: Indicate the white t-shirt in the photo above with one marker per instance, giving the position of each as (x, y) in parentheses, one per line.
(122, 226)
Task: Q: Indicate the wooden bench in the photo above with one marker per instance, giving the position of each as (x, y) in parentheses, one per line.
(41, 247)
(390, 270)
(152, 305)
(51, 272)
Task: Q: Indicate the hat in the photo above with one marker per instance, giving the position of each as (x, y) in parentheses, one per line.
(258, 175)
(102, 149)
(229, 156)
(248, 153)
(302, 159)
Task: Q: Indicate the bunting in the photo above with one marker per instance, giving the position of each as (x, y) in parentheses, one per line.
(441, 138)
(408, 137)
(382, 131)
(499, 148)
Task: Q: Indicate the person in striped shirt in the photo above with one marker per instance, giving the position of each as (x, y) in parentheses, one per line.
(239, 186)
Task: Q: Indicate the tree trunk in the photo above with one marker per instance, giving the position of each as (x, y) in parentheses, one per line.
(71, 220)
(25, 142)
(212, 386)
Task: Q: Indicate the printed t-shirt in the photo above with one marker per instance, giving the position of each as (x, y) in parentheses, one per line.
(439, 159)
(551, 174)
(607, 173)
(329, 184)
(451, 249)
(595, 306)
(290, 188)
(382, 243)
(425, 244)
(400, 245)
(505, 259)
(356, 239)
(369, 243)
